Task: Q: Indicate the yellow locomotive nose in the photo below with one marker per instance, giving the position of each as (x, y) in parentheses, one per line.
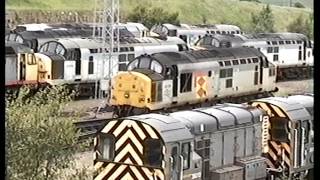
(130, 88)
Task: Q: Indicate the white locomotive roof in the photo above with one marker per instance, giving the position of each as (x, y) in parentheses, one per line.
(227, 27)
(35, 27)
(140, 26)
(69, 43)
(275, 36)
(16, 47)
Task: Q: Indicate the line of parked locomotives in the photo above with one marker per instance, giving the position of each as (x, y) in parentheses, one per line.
(268, 138)
(65, 54)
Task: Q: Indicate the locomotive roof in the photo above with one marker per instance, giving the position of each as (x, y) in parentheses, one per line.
(275, 36)
(49, 34)
(298, 107)
(167, 126)
(242, 39)
(181, 125)
(218, 117)
(77, 42)
(170, 58)
(54, 56)
(14, 48)
(70, 43)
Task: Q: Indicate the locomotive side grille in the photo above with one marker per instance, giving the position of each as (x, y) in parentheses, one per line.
(278, 153)
(128, 162)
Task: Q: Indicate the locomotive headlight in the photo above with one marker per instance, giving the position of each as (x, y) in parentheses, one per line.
(126, 95)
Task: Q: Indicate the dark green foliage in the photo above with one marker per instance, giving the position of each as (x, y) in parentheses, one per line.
(303, 26)
(263, 21)
(40, 141)
(152, 16)
(298, 5)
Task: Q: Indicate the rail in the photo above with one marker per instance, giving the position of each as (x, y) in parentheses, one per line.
(89, 127)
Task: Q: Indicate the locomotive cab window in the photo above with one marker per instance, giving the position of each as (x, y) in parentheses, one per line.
(31, 59)
(106, 147)
(133, 65)
(153, 152)
(144, 63)
(185, 82)
(156, 66)
(279, 129)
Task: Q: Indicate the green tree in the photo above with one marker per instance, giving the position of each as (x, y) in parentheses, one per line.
(263, 21)
(303, 26)
(298, 5)
(152, 16)
(40, 141)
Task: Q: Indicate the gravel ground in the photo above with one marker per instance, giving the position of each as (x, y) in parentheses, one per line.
(290, 87)
(295, 87)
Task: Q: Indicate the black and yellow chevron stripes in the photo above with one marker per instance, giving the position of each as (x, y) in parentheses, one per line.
(278, 153)
(128, 157)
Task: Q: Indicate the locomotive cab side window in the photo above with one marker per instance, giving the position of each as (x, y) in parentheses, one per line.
(279, 129)
(153, 152)
(106, 147)
(185, 82)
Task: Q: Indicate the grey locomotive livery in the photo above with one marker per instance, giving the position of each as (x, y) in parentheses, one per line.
(291, 52)
(223, 142)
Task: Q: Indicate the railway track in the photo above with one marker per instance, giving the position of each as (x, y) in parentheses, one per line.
(89, 127)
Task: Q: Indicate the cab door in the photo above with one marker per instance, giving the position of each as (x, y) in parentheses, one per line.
(175, 163)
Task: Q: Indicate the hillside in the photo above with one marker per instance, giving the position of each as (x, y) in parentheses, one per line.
(306, 3)
(192, 12)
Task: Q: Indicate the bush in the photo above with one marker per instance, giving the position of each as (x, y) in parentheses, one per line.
(152, 16)
(303, 26)
(263, 21)
(298, 5)
(40, 141)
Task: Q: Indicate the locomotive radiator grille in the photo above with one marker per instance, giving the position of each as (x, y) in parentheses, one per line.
(278, 153)
(128, 161)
